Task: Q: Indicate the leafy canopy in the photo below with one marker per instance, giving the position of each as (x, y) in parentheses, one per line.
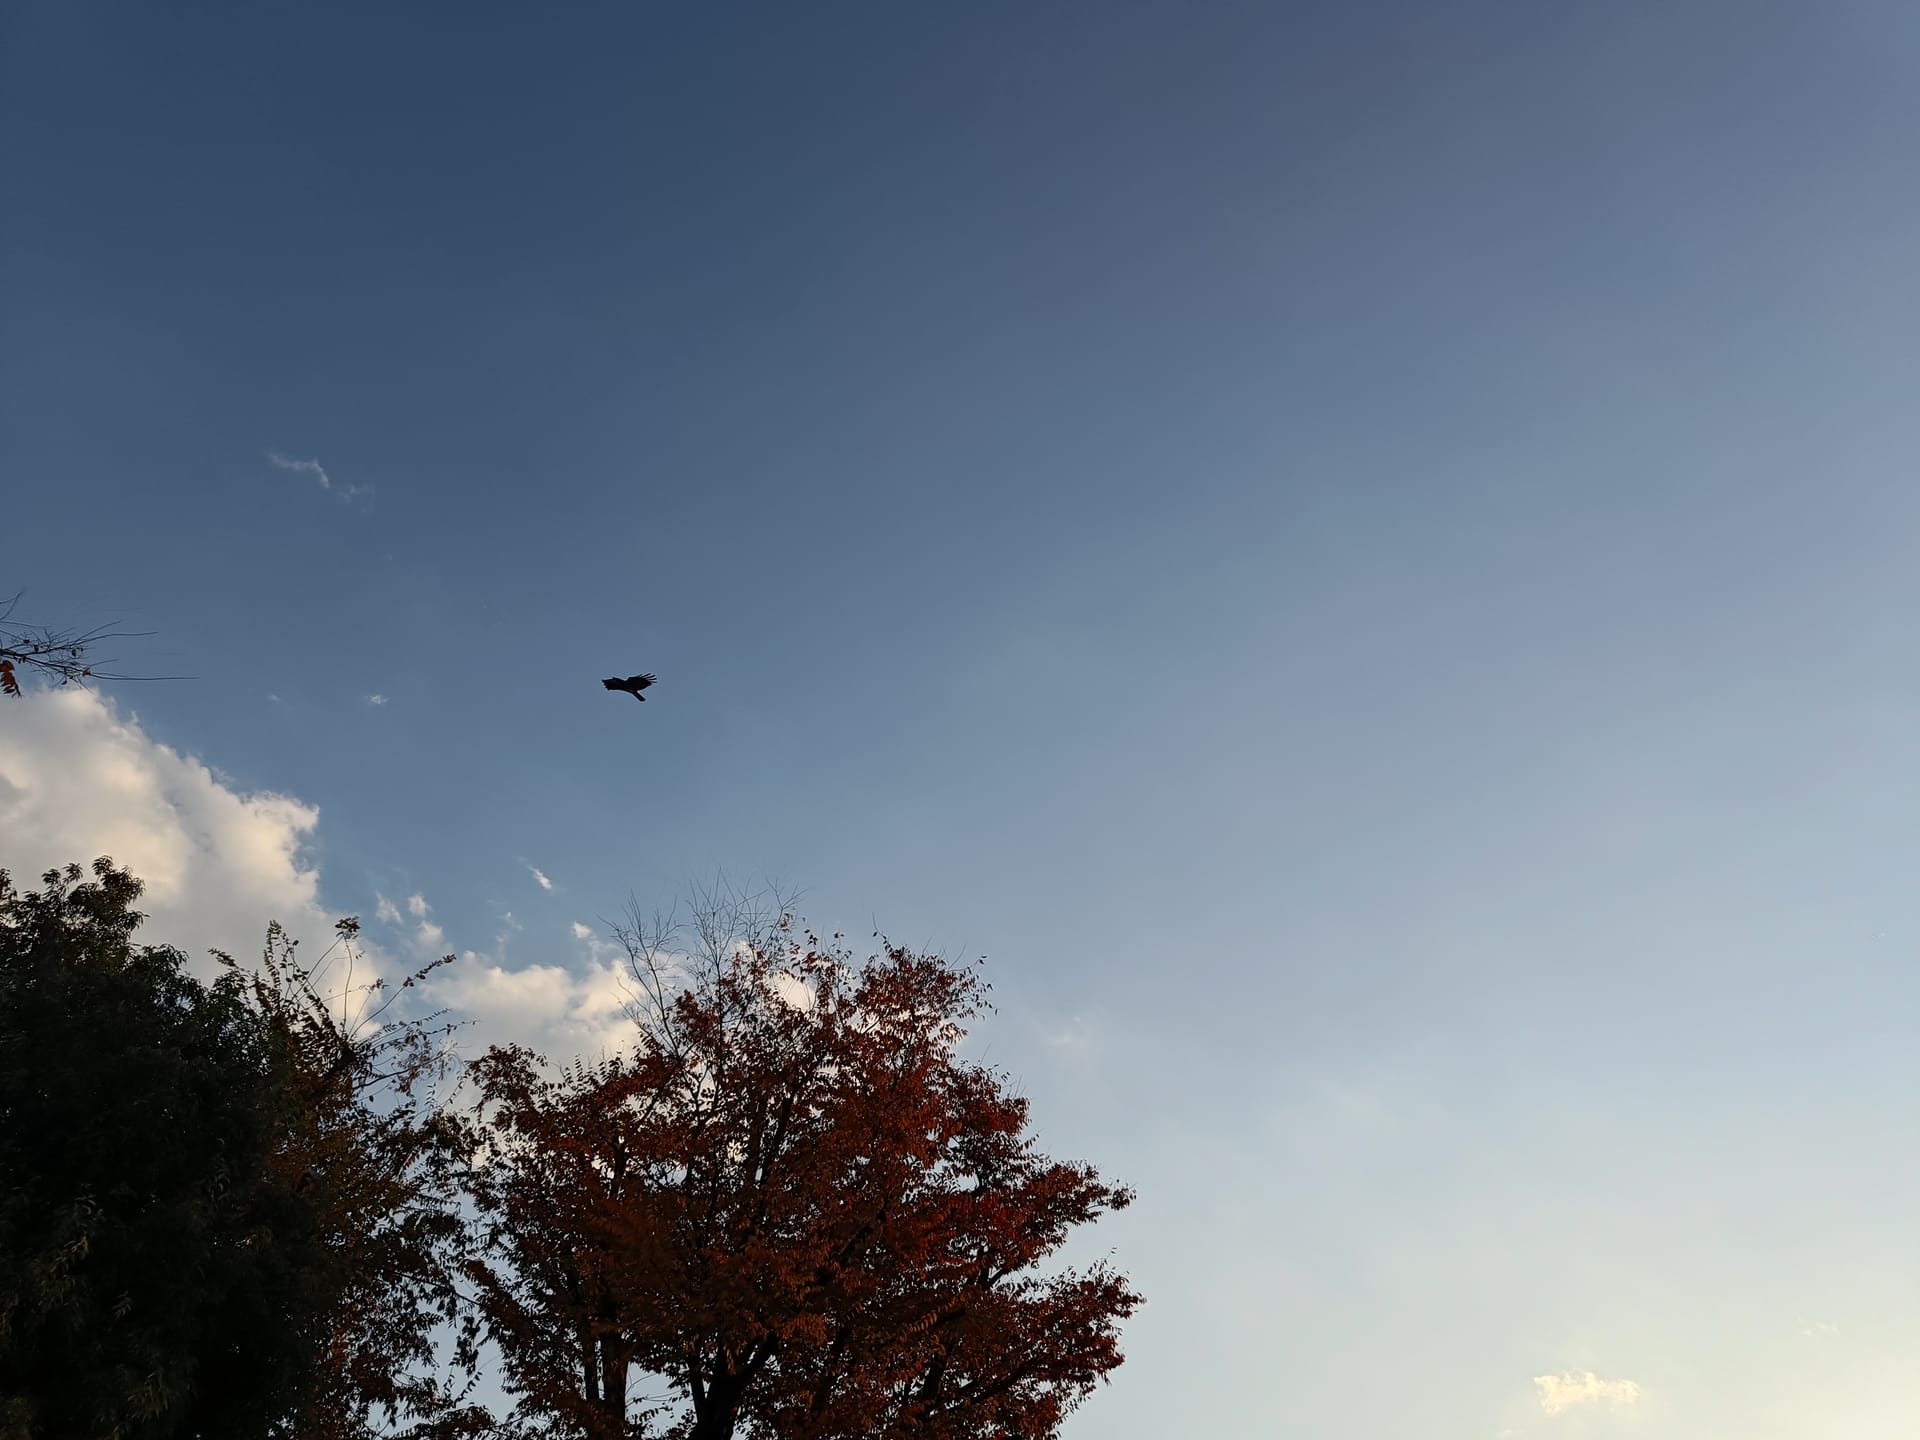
(793, 1206)
(225, 1209)
(154, 1281)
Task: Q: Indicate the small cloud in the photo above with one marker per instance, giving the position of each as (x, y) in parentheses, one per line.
(303, 467)
(428, 938)
(273, 699)
(540, 877)
(1815, 1329)
(1075, 1035)
(1560, 1393)
(376, 699)
(319, 473)
(387, 913)
(582, 932)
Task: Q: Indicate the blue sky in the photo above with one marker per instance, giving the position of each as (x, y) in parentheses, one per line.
(1363, 553)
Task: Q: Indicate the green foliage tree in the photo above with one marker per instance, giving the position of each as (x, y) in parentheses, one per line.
(364, 1138)
(153, 1280)
(226, 1208)
(367, 1143)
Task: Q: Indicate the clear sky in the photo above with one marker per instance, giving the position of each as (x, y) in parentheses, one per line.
(1363, 553)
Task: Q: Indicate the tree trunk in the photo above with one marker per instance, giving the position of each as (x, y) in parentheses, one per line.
(613, 1382)
(715, 1419)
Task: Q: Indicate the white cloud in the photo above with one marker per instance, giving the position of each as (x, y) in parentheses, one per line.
(540, 877)
(582, 932)
(319, 473)
(428, 937)
(557, 1010)
(78, 780)
(792, 989)
(1560, 1393)
(1073, 1035)
(376, 699)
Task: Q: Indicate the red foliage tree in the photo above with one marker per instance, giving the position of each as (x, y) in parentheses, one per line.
(795, 1206)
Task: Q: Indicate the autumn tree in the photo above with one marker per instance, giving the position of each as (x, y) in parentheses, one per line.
(792, 1210)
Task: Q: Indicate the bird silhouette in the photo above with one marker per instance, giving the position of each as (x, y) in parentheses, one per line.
(632, 685)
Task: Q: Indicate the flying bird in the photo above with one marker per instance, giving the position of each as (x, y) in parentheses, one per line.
(632, 685)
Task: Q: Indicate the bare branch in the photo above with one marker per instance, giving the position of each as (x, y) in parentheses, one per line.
(65, 657)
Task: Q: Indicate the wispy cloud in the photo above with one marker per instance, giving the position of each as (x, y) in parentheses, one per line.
(1813, 1329)
(388, 913)
(540, 877)
(1074, 1034)
(1561, 1393)
(320, 475)
(582, 932)
(376, 699)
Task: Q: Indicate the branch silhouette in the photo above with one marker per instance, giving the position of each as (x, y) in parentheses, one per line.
(66, 657)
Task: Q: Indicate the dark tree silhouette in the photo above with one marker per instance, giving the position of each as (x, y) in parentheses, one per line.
(154, 1280)
(224, 1207)
(364, 1139)
(632, 685)
(67, 657)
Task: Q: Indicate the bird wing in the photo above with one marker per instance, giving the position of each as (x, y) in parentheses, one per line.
(632, 685)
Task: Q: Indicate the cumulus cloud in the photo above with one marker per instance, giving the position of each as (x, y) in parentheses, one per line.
(320, 475)
(566, 1008)
(540, 877)
(78, 779)
(557, 1010)
(1563, 1392)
